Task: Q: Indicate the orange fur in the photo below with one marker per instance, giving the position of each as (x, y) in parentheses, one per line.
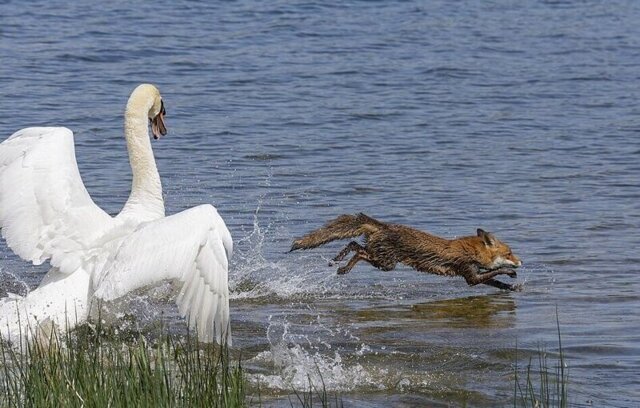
(476, 258)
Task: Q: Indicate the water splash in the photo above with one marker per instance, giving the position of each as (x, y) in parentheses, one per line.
(254, 276)
(300, 361)
(313, 366)
(299, 369)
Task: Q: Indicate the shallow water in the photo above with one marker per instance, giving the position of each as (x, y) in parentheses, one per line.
(518, 117)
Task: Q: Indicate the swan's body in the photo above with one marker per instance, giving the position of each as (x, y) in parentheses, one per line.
(46, 213)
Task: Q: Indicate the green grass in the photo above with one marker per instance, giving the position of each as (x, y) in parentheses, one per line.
(543, 386)
(317, 396)
(87, 369)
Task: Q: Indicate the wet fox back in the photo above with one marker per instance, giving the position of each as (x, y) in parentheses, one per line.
(429, 253)
(407, 245)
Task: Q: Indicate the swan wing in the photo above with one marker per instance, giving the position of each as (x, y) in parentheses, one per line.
(45, 209)
(194, 247)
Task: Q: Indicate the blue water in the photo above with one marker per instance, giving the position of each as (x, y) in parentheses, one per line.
(518, 117)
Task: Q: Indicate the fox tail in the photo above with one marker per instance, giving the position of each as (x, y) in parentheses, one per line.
(345, 226)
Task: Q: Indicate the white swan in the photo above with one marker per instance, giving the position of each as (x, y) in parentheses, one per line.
(46, 213)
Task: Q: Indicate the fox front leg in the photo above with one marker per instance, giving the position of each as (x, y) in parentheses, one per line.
(511, 272)
(502, 285)
(473, 277)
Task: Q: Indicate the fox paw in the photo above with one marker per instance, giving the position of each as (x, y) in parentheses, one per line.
(343, 270)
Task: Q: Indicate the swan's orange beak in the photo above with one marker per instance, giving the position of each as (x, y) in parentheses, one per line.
(157, 123)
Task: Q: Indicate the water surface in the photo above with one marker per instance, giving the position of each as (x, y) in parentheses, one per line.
(518, 117)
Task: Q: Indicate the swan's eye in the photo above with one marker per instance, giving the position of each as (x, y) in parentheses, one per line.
(162, 110)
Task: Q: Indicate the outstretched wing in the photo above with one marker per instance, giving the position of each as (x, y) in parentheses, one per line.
(193, 246)
(45, 209)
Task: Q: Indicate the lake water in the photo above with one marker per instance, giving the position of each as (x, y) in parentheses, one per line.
(518, 117)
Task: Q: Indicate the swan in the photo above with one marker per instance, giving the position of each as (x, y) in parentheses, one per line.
(46, 213)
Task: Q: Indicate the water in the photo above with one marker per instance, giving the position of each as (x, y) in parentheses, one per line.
(518, 117)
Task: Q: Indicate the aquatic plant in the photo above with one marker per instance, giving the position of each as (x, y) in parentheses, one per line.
(91, 369)
(543, 386)
(307, 398)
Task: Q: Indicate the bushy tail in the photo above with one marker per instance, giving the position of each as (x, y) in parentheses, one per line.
(345, 226)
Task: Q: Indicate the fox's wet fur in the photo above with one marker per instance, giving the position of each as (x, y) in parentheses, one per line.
(478, 259)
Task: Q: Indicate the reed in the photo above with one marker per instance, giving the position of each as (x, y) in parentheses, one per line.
(315, 394)
(88, 369)
(543, 386)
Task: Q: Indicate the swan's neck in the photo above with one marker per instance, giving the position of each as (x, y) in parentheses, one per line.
(145, 200)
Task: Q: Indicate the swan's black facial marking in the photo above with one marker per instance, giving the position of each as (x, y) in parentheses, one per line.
(158, 127)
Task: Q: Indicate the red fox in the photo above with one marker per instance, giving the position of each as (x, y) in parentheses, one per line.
(478, 259)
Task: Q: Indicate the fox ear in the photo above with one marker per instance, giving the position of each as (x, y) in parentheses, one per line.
(487, 237)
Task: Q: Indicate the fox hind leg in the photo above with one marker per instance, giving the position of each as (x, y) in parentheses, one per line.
(361, 255)
(350, 247)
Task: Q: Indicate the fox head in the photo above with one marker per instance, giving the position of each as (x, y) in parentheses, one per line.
(495, 254)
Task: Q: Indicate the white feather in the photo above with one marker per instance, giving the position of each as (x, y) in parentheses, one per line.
(45, 210)
(46, 213)
(181, 247)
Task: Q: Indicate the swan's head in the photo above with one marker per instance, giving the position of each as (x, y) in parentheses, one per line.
(156, 116)
(148, 98)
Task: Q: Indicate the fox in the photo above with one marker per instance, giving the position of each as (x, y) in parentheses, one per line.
(478, 259)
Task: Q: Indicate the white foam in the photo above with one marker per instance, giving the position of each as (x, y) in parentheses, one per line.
(296, 361)
(299, 369)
